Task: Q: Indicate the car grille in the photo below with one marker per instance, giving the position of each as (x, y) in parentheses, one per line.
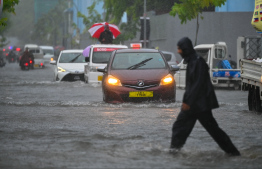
(73, 77)
(140, 87)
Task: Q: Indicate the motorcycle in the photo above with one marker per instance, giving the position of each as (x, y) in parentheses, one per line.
(31, 63)
(25, 66)
(2, 62)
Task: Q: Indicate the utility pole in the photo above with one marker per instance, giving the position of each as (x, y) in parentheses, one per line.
(144, 23)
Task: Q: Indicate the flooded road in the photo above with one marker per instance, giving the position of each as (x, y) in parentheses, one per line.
(47, 124)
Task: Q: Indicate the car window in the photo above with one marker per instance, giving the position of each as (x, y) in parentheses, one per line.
(138, 61)
(167, 56)
(34, 50)
(72, 58)
(101, 57)
(48, 51)
(203, 53)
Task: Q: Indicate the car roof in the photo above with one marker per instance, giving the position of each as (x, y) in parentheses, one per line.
(72, 50)
(47, 47)
(137, 51)
(167, 52)
(109, 46)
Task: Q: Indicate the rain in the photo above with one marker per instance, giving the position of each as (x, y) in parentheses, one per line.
(48, 122)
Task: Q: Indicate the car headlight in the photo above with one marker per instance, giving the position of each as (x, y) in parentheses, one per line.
(61, 69)
(111, 80)
(167, 80)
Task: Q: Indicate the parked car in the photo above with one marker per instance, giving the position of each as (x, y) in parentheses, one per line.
(138, 75)
(69, 65)
(49, 52)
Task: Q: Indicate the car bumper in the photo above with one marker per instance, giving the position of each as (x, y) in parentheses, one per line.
(120, 94)
(94, 77)
(67, 76)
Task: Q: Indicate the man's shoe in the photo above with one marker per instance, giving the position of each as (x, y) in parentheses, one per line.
(234, 154)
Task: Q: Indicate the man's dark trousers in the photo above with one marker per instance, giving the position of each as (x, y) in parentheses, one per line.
(185, 122)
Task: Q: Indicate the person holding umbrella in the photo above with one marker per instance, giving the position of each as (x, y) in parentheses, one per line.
(106, 37)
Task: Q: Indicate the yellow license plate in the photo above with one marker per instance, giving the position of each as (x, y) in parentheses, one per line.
(36, 65)
(99, 78)
(141, 94)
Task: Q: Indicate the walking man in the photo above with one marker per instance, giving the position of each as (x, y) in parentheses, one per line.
(198, 101)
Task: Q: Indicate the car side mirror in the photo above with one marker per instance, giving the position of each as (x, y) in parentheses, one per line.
(174, 68)
(87, 59)
(102, 69)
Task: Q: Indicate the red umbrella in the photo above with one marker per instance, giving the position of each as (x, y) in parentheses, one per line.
(98, 28)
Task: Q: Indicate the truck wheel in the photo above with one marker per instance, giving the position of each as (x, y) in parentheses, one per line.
(250, 96)
(257, 100)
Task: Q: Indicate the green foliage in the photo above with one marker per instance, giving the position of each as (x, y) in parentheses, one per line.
(9, 7)
(190, 9)
(134, 10)
(93, 16)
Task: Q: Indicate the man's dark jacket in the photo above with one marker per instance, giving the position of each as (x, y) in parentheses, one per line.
(107, 35)
(199, 92)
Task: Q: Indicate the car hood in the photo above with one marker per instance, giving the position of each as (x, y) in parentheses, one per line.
(72, 66)
(134, 75)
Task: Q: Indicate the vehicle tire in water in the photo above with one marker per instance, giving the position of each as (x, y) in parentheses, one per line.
(256, 102)
(250, 96)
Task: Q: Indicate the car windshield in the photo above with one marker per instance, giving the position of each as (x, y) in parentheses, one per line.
(138, 61)
(72, 58)
(101, 57)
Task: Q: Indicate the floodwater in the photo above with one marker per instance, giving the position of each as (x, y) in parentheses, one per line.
(47, 124)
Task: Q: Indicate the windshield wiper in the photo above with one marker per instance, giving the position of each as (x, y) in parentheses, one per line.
(73, 60)
(139, 64)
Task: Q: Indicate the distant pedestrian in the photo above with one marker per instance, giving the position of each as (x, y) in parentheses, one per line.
(198, 101)
(106, 37)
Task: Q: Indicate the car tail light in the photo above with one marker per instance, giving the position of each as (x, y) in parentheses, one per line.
(167, 80)
(31, 61)
(41, 64)
(113, 81)
(26, 64)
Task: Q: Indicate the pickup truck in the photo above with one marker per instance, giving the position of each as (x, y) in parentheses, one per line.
(221, 72)
(249, 55)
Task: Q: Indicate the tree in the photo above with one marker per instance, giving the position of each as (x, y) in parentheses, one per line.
(134, 10)
(196, 7)
(46, 30)
(8, 6)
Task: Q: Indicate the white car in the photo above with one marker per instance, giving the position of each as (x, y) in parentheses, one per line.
(69, 65)
(49, 52)
(99, 55)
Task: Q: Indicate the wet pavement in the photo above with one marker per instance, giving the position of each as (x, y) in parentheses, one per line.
(47, 124)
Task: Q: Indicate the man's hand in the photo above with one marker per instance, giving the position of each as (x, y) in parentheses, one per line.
(185, 107)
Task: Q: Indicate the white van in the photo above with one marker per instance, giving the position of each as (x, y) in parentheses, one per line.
(99, 55)
(49, 52)
(38, 55)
